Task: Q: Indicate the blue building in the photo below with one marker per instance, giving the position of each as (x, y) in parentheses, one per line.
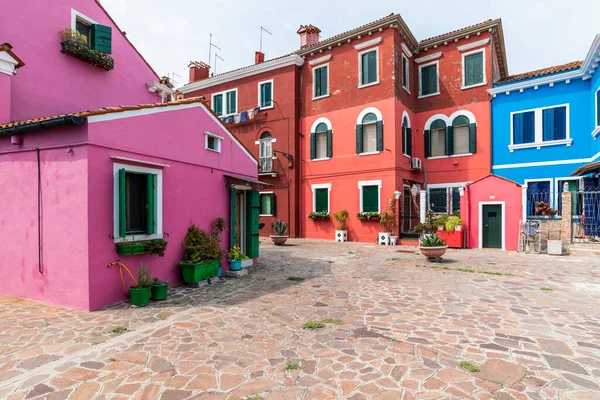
(545, 126)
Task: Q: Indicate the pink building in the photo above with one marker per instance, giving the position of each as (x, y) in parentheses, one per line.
(61, 167)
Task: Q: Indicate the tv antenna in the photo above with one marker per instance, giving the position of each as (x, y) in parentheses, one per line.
(220, 58)
(210, 46)
(261, 35)
(172, 76)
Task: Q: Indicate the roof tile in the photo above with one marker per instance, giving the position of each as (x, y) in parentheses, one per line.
(541, 72)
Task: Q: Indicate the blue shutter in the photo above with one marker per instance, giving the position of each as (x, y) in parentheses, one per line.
(560, 123)
(548, 124)
(518, 129)
(529, 122)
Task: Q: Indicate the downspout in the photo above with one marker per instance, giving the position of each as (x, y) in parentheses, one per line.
(468, 206)
(39, 211)
(491, 108)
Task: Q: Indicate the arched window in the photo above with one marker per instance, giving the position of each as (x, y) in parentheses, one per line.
(321, 140)
(369, 132)
(266, 152)
(460, 135)
(436, 139)
(406, 137)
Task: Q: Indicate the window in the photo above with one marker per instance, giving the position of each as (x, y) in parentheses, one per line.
(138, 203)
(438, 139)
(473, 68)
(539, 127)
(369, 133)
(321, 82)
(406, 137)
(444, 200)
(99, 37)
(265, 92)
(266, 152)
(368, 68)
(217, 103)
(524, 127)
(321, 194)
(267, 203)
(84, 29)
(212, 142)
(321, 142)
(231, 102)
(225, 103)
(405, 73)
(428, 79)
(538, 191)
(554, 124)
(458, 138)
(460, 129)
(369, 195)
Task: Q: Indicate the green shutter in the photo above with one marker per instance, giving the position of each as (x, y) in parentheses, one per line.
(449, 140)
(370, 198)
(150, 204)
(321, 200)
(472, 138)
(233, 219)
(101, 38)
(313, 145)
(252, 221)
(265, 95)
(329, 144)
(231, 102)
(409, 141)
(317, 82)
(473, 69)
(122, 204)
(379, 129)
(323, 80)
(427, 137)
(273, 204)
(359, 139)
(218, 104)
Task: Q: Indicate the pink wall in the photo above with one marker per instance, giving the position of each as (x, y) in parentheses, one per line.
(492, 189)
(54, 83)
(5, 97)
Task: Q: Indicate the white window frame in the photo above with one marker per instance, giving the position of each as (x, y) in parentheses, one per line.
(361, 184)
(359, 119)
(360, 54)
(464, 55)
(77, 16)
(314, 188)
(258, 142)
(539, 129)
(158, 203)
(313, 82)
(224, 102)
(596, 116)
(578, 179)
(218, 140)
(448, 187)
(406, 85)
(313, 129)
(260, 199)
(260, 92)
(551, 180)
(502, 205)
(437, 73)
(405, 115)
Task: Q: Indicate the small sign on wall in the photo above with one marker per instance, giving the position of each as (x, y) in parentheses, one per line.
(492, 197)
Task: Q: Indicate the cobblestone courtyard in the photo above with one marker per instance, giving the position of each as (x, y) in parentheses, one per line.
(398, 328)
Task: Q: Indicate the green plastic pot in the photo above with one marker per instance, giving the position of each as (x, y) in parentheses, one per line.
(194, 273)
(159, 292)
(140, 296)
(126, 249)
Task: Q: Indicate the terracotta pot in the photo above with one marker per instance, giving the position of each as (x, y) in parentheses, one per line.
(279, 240)
(433, 252)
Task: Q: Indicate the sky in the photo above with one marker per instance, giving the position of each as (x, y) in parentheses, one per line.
(170, 34)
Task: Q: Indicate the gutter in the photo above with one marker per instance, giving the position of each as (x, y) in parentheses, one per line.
(41, 125)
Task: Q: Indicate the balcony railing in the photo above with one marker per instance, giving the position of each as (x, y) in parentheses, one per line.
(266, 165)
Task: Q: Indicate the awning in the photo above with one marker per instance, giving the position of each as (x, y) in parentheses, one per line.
(587, 169)
(240, 180)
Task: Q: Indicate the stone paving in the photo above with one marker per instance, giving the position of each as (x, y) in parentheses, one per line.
(399, 328)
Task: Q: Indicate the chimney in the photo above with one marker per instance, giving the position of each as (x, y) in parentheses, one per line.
(259, 57)
(309, 34)
(198, 71)
(9, 62)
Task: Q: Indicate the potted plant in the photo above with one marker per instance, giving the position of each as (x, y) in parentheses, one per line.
(280, 232)
(341, 233)
(75, 44)
(202, 252)
(319, 215)
(368, 215)
(140, 293)
(159, 289)
(440, 222)
(388, 221)
(454, 223)
(235, 258)
(432, 247)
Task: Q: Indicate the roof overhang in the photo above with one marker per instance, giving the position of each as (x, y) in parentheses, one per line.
(590, 64)
(41, 125)
(292, 59)
(233, 180)
(9, 61)
(587, 169)
(159, 88)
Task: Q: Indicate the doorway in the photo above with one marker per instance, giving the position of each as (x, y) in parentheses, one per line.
(244, 220)
(492, 226)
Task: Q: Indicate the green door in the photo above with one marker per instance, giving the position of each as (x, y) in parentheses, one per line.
(492, 226)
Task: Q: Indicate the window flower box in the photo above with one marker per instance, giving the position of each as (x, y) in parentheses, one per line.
(131, 248)
(368, 216)
(319, 215)
(85, 53)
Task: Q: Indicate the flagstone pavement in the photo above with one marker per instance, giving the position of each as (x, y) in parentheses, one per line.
(527, 325)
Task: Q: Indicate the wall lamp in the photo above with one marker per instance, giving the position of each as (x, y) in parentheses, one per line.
(289, 157)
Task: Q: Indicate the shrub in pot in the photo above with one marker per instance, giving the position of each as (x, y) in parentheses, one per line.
(202, 252)
(440, 222)
(159, 289)
(432, 247)
(280, 232)
(235, 258)
(341, 233)
(140, 293)
(453, 223)
(388, 221)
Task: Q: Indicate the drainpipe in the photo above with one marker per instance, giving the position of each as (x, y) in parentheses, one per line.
(468, 207)
(491, 108)
(39, 211)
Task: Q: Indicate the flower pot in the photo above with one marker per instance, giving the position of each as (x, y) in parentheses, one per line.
(140, 296)
(341, 236)
(235, 265)
(393, 240)
(383, 238)
(458, 228)
(159, 291)
(433, 252)
(126, 249)
(440, 227)
(194, 273)
(279, 240)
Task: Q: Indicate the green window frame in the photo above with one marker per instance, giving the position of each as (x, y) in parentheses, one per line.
(369, 67)
(474, 65)
(321, 81)
(231, 102)
(267, 204)
(266, 94)
(428, 77)
(370, 198)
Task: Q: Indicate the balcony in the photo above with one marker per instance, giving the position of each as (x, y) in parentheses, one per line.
(265, 167)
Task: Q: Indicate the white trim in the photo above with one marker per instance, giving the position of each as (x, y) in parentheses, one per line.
(503, 208)
(161, 90)
(273, 140)
(313, 82)
(321, 159)
(361, 184)
(366, 111)
(465, 113)
(547, 163)
(539, 129)
(260, 205)
(224, 102)
(405, 114)
(371, 153)
(314, 195)
(139, 161)
(452, 156)
(360, 54)
(368, 43)
(595, 132)
(319, 60)
(437, 73)
(327, 122)
(266, 66)
(429, 57)
(260, 92)
(596, 121)
(406, 50)
(76, 15)
(445, 185)
(217, 138)
(406, 85)
(484, 82)
(158, 203)
(7, 63)
(434, 118)
(545, 80)
(473, 45)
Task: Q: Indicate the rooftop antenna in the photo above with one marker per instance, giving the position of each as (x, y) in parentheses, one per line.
(210, 46)
(172, 76)
(261, 34)
(220, 58)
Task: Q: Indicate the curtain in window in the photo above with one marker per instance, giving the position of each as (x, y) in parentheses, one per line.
(438, 142)
(369, 138)
(461, 139)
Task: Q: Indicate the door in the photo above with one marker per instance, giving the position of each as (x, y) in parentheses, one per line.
(492, 226)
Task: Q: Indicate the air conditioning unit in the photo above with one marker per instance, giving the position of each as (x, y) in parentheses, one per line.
(415, 164)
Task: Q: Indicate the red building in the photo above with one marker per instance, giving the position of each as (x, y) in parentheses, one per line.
(258, 104)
